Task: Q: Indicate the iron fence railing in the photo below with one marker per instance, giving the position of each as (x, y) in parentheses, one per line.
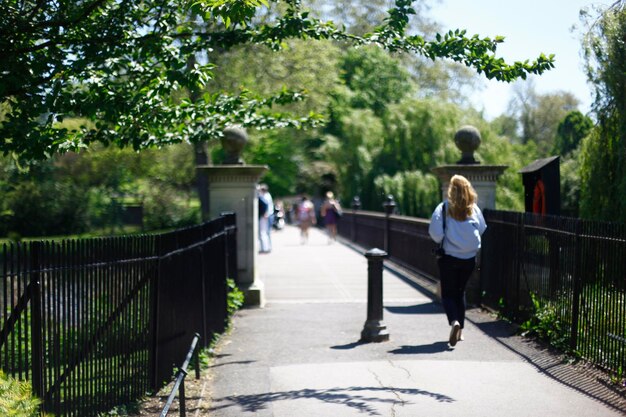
(405, 239)
(574, 269)
(179, 380)
(95, 323)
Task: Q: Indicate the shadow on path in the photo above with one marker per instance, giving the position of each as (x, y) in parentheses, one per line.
(428, 308)
(554, 365)
(348, 346)
(231, 363)
(359, 398)
(436, 347)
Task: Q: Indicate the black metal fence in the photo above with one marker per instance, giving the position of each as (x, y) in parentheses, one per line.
(405, 239)
(179, 380)
(95, 323)
(574, 269)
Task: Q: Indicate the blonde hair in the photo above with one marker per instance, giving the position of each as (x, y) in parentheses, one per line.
(461, 198)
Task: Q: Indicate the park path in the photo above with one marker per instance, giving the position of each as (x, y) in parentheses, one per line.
(300, 355)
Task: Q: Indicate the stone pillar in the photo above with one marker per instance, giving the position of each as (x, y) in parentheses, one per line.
(233, 188)
(482, 177)
(484, 180)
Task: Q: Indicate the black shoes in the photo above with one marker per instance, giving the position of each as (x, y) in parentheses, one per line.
(455, 333)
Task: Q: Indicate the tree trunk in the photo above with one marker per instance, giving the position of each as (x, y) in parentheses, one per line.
(202, 181)
(201, 154)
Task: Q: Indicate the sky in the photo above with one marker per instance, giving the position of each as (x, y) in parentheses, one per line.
(530, 27)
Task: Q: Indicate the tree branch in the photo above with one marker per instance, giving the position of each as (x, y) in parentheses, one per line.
(38, 6)
(70, 21)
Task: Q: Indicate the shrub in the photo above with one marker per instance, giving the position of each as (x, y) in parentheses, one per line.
(235, 297)
(47, 208)
(16, 398)
(415, 193)
(164, 208)
(546, 324)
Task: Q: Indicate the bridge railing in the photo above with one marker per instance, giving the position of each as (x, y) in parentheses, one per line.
(404, 238)
(95, 323)
(568, 272)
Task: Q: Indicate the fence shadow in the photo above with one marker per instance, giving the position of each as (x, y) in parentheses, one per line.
(231, 363)
(361, 399)
(583, 379)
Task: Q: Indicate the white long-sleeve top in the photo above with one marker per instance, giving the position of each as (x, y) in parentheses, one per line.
(463, 238)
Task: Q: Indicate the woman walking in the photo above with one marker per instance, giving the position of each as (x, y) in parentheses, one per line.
(330, 211)
(306, 218)
(457, 224)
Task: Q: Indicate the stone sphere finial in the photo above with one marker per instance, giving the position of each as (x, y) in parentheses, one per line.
(467, 139)
(233, 141)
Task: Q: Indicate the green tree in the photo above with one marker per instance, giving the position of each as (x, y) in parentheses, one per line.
(418, 135)
(372, 80)
(540, 114)
(446, 80)
(124, 66)
(353, 148)
(311, 66)
(375, 78)
(506, 125)
(570, 184)
(571, 131)
(415, 192)
(282, 151)
(603, 154)
(307, 65)
(83, 192)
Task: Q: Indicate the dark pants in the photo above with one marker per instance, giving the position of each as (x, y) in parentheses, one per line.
(454, 274)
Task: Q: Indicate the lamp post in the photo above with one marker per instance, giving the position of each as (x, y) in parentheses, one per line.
(356, 205)
(389, 206)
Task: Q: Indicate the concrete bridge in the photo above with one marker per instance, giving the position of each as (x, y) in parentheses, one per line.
(300, 355)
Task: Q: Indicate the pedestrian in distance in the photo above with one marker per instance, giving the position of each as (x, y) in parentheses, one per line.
(266, 212)
(331, 212)
(457, 224)
(305, 215)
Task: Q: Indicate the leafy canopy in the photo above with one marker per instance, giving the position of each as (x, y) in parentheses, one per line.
(128, 66)
(603, 152)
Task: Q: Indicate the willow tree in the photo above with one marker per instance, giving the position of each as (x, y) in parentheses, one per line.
(603, 166)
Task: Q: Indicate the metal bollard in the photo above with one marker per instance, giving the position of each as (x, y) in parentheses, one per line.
(374, 329)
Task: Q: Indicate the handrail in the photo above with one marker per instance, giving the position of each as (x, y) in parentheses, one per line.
(379, 215)
(179, 385)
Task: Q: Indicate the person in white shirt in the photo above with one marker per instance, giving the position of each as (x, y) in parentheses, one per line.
(459, 229)
(265, 219)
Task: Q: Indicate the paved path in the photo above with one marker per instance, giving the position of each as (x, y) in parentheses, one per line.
(300, 356)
